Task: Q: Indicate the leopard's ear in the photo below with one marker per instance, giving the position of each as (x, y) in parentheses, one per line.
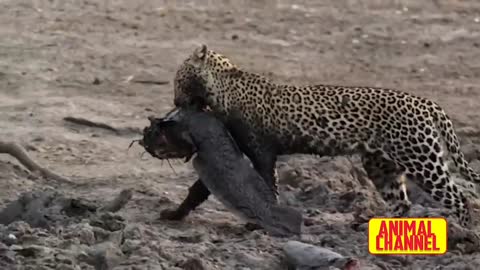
(199, 56)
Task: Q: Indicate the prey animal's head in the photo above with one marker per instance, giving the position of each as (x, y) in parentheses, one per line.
(167, 139)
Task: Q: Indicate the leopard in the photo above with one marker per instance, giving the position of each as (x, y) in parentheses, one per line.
(399, 136)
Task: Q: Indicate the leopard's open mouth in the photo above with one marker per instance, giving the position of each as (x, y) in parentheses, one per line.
(198, 104)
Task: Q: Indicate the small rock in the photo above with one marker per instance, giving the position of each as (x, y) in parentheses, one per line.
(192, 264)
(61, 258)
(349, 196)
(30, 147)
(455, 34)
(104, 256)
(7, 257)
(9, 239)
(250, 260)
(115, 237)
(84, 232)
(471, 151)
(288, 198)
(38, 139)
(466, 240)
(475, 165)
(193, 237)
(109, 222)
(289, 176)
(66, 266)
(305, 256)
(308, 222)
(40, 208)
(102, 235)
(228, 20)
(359, 227)
(132, 232)
(96, 81)
(131, 245)
(35, 251)
(145, 251)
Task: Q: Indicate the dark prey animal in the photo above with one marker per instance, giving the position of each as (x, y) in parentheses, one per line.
(221, 166)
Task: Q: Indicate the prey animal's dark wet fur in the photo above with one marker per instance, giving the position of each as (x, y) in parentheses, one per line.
(260, 151)
(222, 167)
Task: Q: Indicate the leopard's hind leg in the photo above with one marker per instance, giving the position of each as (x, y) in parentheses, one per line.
(428, 169)
(389, 179)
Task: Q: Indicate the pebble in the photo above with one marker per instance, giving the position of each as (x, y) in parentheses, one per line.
(192, 237)
(306, 256)
(96, 81)
(192, 264)
(289, 176)
(132, 232)
(104, 256)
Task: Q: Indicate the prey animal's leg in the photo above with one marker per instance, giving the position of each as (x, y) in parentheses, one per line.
(197, 194)
(389, 179)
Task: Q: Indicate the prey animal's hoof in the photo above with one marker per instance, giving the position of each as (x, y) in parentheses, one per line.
(252, 227)
(172, 214)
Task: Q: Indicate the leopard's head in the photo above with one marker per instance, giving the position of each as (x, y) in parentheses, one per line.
(197, 77)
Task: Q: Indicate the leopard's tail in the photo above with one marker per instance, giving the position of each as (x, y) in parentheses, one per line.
(445, 126)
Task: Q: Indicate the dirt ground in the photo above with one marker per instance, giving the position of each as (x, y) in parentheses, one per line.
(82, 58)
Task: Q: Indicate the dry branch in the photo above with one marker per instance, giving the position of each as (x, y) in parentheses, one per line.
(150, 82)
(89, 123)
(21, 155)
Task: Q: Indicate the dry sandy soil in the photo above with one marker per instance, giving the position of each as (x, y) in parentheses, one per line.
(77, 58)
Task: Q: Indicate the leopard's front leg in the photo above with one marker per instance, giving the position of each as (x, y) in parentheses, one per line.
(264, 161)
(260, 149)
(197, 194)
